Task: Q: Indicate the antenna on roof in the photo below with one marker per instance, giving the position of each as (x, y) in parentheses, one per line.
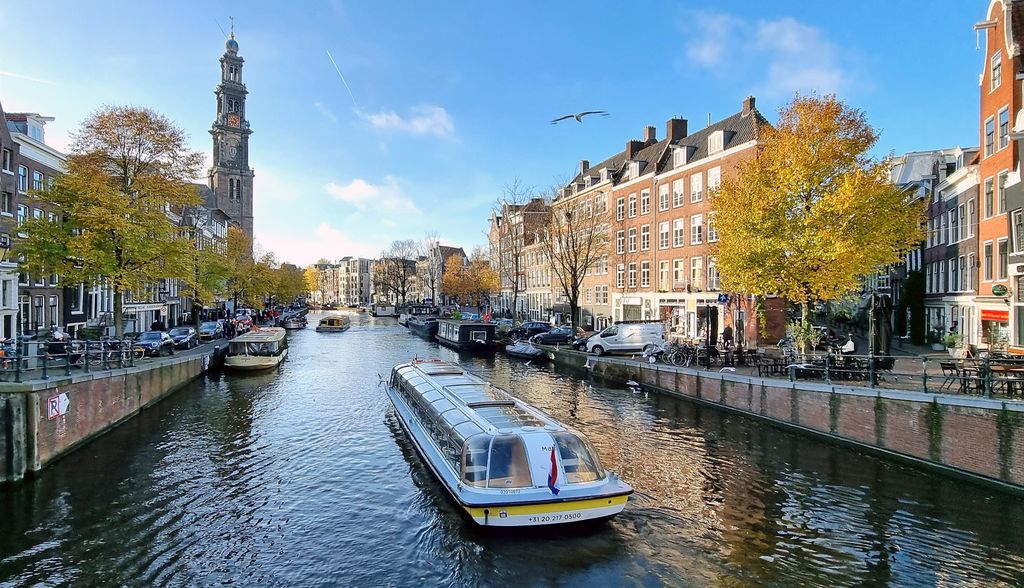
(709, 118)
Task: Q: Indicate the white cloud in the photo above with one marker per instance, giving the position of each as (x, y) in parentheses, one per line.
(384, 197)
(782, 56)
(422, 120)
(327, 112)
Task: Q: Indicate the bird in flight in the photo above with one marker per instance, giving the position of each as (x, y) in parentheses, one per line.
(579, 116)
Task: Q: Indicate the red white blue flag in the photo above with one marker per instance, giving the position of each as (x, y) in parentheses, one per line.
(553, 476)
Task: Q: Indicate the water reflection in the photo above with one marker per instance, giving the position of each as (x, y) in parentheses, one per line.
(304, 477)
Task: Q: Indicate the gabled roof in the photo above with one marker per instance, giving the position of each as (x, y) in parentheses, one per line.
(739, 128)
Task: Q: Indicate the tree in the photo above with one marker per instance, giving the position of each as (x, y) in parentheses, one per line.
(290, 283)
(249, 280)
(312, 281)
(127, 167)
(509, 214)
(430, 276)
(472, 283)
(575, 240)
(812, 212)
(395, 271)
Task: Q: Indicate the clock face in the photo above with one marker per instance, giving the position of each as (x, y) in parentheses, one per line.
(233, 120)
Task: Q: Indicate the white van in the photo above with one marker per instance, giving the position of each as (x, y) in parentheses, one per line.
(626, 338)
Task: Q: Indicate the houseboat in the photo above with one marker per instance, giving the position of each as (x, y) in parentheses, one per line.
(505, 463)
(466, 335)
(424, 326)
(257, 350)
(334, 323)
(409, 311)
(382, 310)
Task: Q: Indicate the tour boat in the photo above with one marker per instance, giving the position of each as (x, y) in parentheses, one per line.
(333, 324)
(503, 461)
(524, 349)
(466, 335)
(424, 326)
(257, 350)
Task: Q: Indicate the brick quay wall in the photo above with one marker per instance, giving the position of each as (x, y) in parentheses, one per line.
(972, 437)
(43, 420)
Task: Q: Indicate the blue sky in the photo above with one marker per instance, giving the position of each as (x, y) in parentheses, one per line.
(452, 102)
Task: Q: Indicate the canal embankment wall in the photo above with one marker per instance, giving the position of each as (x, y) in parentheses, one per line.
(43, 420)
(972, 437)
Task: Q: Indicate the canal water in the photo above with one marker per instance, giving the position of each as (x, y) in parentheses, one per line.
(302, 477)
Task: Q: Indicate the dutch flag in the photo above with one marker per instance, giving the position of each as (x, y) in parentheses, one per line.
(553, 476)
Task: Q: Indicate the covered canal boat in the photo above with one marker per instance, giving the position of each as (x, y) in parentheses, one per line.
(504, 462)
(424, 326)
(466, 335)
(257, 350)
(334, 323)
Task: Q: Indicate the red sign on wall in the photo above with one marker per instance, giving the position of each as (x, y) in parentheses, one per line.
(995, 315)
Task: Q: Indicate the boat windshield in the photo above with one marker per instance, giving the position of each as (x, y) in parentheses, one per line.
(252, 348)
(579, 460)
(507, 466)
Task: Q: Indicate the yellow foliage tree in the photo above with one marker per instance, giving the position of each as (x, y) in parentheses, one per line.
(812, 212)
(472, 283)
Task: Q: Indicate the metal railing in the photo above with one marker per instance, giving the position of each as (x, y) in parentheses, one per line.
(44, 359)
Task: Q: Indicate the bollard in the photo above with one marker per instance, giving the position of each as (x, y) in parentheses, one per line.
(67, 359)
(18, 358)
(828, 360)
(45, 362)
(987, 377)
(924, 373)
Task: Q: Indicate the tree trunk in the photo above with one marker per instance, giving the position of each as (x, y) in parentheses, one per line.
(118, 318)
(805, 319)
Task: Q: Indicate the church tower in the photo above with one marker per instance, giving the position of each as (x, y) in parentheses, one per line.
(230, 178)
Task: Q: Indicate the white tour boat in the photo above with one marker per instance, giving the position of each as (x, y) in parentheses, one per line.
(504, 462)
(257, 350)
(333, 324)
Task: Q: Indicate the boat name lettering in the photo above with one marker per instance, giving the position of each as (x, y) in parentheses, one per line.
(510, 491)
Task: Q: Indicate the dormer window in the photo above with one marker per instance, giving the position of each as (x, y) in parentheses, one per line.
(586, 181)
(604, 174)
(678, 157)
(715, 142)
(634, 169)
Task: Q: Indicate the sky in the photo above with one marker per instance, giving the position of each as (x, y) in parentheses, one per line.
(446, 104)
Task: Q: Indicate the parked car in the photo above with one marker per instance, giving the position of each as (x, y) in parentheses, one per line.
(554, 336)
(580, 343)
(529, 329)
(627, 337)
(155, 343)
(184, 337)
(211, 330)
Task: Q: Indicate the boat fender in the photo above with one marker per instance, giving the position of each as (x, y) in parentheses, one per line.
(486, 514)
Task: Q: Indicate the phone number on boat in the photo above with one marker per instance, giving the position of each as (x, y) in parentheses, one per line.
(554, 518)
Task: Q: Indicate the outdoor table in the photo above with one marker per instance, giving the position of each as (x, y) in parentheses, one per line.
(1013, 377)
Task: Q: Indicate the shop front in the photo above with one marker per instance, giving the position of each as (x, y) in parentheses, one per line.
(995, 328)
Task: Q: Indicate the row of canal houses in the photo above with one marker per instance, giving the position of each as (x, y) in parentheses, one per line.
(31, 303)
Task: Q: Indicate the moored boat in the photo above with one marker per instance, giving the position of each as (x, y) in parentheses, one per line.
(503, 461)
(257, 350)
(409, 311)
(294, 322)
(466, 335)
(524, 349)
(382, 310)
(424, 326)
(333, 324)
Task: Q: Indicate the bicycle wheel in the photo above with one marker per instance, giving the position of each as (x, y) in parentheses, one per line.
(677, 358)
(138, 354)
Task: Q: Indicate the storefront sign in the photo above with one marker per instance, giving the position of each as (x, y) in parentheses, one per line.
(995, 315)
(999, 290)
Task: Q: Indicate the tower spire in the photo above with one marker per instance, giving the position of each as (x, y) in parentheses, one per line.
(232, 19)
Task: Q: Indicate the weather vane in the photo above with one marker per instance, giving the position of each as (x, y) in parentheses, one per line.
(232, 19)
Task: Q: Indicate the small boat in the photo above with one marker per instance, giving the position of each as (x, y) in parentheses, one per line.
(524, 349)
(382, 310)
(407, 312)
(466, 335)
(294, 322)
(424, 326)
(333, 324)
(505, 463)
(257, 350)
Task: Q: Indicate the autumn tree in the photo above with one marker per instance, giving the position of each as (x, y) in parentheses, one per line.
(472, 283)
(208, 262)
(290, 283)
(127, 167)
(250, 280)
(312, 281)
(812, 212)
(575, 240)
(395, 271)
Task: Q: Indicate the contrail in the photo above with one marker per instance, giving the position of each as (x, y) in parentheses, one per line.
(340, 75)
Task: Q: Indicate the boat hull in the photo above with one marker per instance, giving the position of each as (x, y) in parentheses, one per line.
(331, 329)
(254, 363)
(427, 331)
(467, 346)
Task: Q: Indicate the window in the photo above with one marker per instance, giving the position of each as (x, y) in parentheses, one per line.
(696, 229)
(1004, 260)
(620, 242)
(620, 276)
(679, 156)
(714, 280)
(37, 180)
(7, 203)
(588, 295)
(645, 237)
(1001, 195)
(714, 178)
(600, 204)
(996, 76)
(1017, 226)
(712, 230)
(678, 230)
(602, 294)
(961, 222)
(697, 272)
(631, 240)
(51, 217)
(962, 279)
(632, 275)
(37, 213)
(645, 201)
(951, 214)
(953, 286)
(40, 279)
(679, 273)
(663, 235)
(989, 197)
(696, 187)
(22, 178)
(1004, 127)
(632, 205)
(663, 276)
(663, 197)
(645, 274)
(990, 136)
(972, 217)
(988, 262)
(715, 142)
(970, 278)
(22, 214)
(7, 160)
(620, 208)
(677, 193)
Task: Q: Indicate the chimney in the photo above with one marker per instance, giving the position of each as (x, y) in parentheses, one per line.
(675, 129)
(650, 135)
(633, 147)
(584, 166)
(748, 105)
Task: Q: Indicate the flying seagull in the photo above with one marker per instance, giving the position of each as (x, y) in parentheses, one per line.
(579, 116)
